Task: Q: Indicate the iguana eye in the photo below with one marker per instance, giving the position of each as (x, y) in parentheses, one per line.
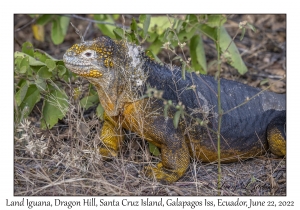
(88, 53)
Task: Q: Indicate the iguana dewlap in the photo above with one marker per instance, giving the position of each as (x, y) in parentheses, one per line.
(122, 74)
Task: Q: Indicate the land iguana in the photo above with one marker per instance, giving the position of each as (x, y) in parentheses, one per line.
(124, 76)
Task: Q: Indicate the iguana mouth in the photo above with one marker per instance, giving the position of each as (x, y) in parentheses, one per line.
(81, 69)
(84, 73)
(92, 73)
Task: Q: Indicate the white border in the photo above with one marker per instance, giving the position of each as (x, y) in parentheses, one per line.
(139, 7)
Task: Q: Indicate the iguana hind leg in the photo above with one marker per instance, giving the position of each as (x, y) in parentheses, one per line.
(276, 136)
(175, 160)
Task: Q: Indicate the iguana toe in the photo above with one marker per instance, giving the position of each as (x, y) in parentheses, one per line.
(107, 153)
(161, 174)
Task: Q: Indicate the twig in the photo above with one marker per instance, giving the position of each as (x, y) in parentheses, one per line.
(87, 28)
(27, 24)
(95, 21)
(78, 32)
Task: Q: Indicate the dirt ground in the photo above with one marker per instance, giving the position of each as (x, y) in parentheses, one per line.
(65, 161)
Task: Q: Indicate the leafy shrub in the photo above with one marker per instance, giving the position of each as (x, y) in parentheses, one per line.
(35, 73)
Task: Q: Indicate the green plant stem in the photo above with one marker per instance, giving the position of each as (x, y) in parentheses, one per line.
(220, 112)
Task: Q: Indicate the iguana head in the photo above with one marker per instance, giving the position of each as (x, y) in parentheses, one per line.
(91, 59)
(104, 57)
(114, 67)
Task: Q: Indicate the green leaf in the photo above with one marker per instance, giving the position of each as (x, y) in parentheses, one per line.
(44, 19)
(59, 29)
(174, 23)
(106, 29)
(142, 18)
(55, 107)
(216, 20)
(134, 38)
(42, 56)
(20, 95)
(243, 33)
(31, 98)
(176, 118)
(19, 84)
(158, 24)
(209, 31)
(44, 72)
(24, 65)
(151, 37)
(68, 75)
(34, 69)
(146, 24)
(23, 69)
(89, 101)
(251, 27)
(32, 61)
(198, 54)
(153, 149)
(119, 33)
(155, 47)
(27, 48)
(128, 36)
(185, 35)
(232, 54)
(41, 84)
(192, 19)
(166, 35)
(64, 24)
(18, 62)
(263, 82)
(133, 25)
(115, 16)
(61, 70)
(100, 111)
(50, 64)
(179, 26)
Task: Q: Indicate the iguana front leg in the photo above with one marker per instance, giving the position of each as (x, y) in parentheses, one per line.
(111, 138)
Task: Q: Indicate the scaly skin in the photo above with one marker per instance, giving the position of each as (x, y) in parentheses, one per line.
(123, 74)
